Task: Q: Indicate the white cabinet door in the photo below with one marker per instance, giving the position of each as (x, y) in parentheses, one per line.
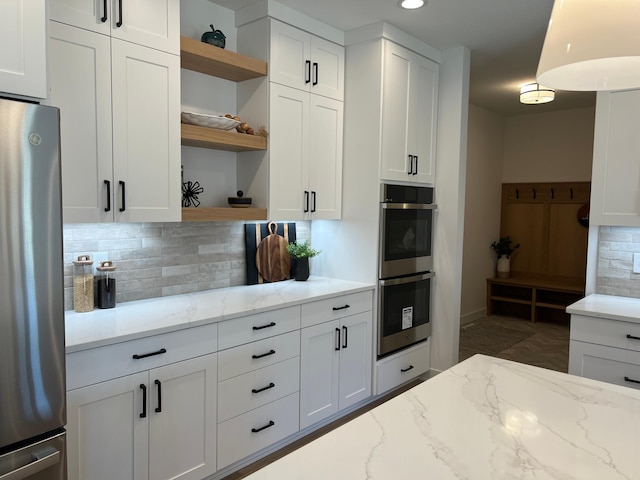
(107, 430)
(80, 85)
(288, 153)
(23, 36)
(355, 359)
(327, 68)
(615, 188)
(146, 134)
(152, 23)
(182, 426)
(319, 372)
(409, 116)
(325, 158)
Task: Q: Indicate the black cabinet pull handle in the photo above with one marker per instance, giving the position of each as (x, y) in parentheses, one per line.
(145, 355)
(270, 424)
(306, 201)
(272, 324)
(410, 165)
(313, 202)
(315, 73)
(143, 387)
(119, 23)
(258, 390)
(627, 379)
(159, 407)
(307, 69)
(415, 170)
(108, 207)
(633, 337)
(104, 16)
(403, 370)
(344, 340)
(338, 339)
(270, 352)
(344, 307)
(123, 207)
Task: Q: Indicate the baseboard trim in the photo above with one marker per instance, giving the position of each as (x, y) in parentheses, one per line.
(470, 317)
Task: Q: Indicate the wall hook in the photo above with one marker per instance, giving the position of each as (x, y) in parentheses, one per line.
(571, 191)
(534, 193)
(553, 194)
(517, 194)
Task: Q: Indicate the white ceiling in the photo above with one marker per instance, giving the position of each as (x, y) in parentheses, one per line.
(505, 38)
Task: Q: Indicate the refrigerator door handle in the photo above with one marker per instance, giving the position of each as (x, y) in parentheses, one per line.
(39, 464)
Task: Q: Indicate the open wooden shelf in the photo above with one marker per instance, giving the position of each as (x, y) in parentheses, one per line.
(218, 62)
(208, 214)
(231, 141)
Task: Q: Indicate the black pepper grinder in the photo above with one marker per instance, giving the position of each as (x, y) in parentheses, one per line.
(106, 285)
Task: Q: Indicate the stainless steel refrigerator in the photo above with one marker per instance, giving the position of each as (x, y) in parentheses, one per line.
(32, 352)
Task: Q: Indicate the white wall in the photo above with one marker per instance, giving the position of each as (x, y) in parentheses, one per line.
(482, 207)
(549, 147)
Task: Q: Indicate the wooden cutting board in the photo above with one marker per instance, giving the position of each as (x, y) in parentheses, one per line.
(272, 259)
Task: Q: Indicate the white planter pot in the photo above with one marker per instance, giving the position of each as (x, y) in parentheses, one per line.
(503, 267)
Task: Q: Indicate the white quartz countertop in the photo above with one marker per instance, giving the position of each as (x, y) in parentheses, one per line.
(483, 419)
(143, 318)
(607, 306)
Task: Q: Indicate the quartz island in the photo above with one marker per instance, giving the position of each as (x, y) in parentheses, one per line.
(485, 418)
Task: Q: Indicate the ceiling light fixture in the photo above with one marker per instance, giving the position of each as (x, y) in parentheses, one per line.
(592, 45)
(411, 4)
(534, 94)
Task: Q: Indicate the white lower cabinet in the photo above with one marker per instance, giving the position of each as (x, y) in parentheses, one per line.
(398, 369)
(156, 424)
(335, 366)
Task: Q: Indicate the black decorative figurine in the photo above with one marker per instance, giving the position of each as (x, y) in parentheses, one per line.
(214, 37)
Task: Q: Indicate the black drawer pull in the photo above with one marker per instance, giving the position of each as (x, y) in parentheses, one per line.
(145, 355)
(272, 324)
(344, 307)
(159, 407)
(270, 424)
(404, 370)
(108, 207)
(258, 390)
(143, 387)
(270, 352)
(627, 379)
(632, 337)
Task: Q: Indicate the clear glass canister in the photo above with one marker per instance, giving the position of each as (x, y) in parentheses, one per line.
(106, 285)
(83, 284)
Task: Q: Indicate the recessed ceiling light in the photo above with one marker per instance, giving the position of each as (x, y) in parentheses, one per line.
(411, 4)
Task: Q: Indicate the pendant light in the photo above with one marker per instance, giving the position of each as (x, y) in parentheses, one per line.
(533, 94)
(592, 45)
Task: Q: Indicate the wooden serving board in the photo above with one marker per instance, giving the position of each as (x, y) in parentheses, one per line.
(254, 234)
(272, 259)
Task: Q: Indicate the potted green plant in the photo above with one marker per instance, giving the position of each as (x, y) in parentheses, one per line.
(300, 254)
(504, 248)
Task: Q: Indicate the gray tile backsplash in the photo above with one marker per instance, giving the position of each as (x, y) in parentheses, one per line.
(615, 261)
(161, 259)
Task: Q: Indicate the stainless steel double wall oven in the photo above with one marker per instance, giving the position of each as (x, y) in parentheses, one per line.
(406, 266)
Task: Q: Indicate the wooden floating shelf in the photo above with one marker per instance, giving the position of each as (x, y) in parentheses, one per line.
(231, 141)
(207, 214)
(218, 62)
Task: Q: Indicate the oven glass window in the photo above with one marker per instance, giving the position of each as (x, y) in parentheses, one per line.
(405, 306)
(407, 234)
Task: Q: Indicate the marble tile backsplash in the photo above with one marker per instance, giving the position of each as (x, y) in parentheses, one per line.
(162, 259)
(615, 261)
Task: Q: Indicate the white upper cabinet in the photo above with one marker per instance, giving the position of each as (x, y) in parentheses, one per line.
(23, 35)
(409, 116)
(152, 23)
(306, 62)
(615, 185)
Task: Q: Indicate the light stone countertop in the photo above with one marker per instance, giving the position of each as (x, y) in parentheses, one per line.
(608, 306)
(483, 419)
(142, 318)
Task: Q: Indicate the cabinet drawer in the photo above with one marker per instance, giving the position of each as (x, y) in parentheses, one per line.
(103, 363)
(237, 438)
(337, 307)
(256, 327)
(603, 331)
(255, 389)
(245, 358)
(398, 369)
(606, 364)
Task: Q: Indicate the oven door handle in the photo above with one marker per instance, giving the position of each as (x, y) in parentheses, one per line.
(401, 281)
(409, 206)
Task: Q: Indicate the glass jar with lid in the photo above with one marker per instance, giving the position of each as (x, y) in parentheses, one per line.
(83, 284)
(106, 284)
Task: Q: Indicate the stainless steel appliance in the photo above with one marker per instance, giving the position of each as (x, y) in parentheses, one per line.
(406, 261)
(32, 348)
